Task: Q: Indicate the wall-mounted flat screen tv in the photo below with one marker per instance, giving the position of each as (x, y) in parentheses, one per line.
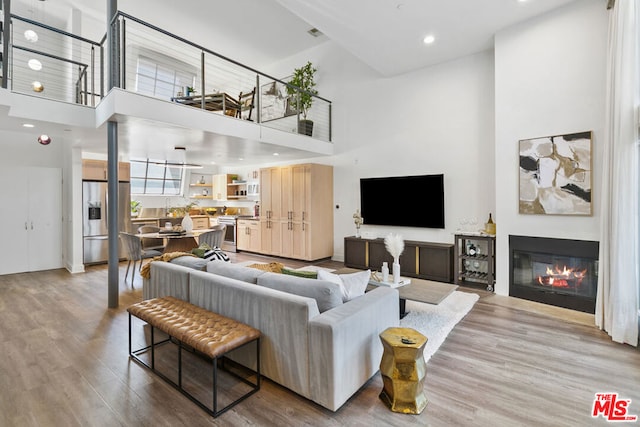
(409, 201)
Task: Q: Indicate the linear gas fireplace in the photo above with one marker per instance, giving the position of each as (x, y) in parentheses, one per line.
(559, 272)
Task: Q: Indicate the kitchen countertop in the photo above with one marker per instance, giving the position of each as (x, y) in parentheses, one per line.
(168, 218)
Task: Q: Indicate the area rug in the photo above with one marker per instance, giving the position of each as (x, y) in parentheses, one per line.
(436, 321)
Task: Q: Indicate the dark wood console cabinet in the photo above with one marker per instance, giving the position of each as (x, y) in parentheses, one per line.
(431, 261)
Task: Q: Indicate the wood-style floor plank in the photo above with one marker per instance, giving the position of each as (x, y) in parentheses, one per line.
(509, 362)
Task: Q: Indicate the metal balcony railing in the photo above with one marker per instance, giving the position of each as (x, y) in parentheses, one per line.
(55, 64)
(155, 62)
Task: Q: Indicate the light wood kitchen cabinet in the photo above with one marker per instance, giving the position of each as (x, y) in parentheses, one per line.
(96, 170)
(270, 237)
(299, 199)
(270, 206)
(271, 193)
(248, 235)
(219, 187)
(200, 222)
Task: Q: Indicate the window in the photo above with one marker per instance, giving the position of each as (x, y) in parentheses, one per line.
(162, 80)
(155, 177)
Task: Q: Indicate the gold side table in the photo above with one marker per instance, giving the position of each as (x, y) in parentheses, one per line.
(403, 370)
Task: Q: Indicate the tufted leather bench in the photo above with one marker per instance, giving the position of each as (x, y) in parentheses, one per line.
(208, 333)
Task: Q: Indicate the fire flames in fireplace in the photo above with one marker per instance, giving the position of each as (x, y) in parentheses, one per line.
(560, 272)
(562, 277)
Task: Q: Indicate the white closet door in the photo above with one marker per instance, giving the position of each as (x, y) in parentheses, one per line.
(45, 219)
(31, 216)
(14, 217)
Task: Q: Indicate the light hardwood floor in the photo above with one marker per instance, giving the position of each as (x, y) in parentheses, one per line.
(507, 363)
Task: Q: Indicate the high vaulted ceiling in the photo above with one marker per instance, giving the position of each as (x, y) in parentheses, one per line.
(385, 34)
(388, 34)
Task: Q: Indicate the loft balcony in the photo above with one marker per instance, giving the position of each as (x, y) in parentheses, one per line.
(155, 74)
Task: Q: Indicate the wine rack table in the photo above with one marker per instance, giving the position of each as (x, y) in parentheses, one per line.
(475, 261)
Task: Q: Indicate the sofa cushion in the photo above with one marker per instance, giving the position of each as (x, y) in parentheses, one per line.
(191, 262)
(326, 294)
(234, 271)
(352, 285)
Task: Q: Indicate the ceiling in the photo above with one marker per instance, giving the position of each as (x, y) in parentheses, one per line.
(385, 34)
(388, 34)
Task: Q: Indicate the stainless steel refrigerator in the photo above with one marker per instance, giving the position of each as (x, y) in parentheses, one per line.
(94, 219)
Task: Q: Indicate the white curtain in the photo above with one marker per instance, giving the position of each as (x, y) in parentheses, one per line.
(618, 276)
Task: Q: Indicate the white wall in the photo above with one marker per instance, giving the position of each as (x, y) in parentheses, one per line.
(550, 80)
(20, 149)
(436, 120)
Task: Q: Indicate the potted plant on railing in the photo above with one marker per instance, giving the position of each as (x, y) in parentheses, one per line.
(301, 91)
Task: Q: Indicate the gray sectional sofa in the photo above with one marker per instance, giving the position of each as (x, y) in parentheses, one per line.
(312, 342)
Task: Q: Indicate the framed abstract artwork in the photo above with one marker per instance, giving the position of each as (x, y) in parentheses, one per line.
(555, 175)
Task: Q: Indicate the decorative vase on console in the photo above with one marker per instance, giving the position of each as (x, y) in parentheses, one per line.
(187, 223)
(357, 219)
(385, 272)
(395, 246)
(396, 271)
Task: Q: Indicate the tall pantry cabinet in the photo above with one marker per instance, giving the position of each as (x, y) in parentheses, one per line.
(32, 219)
(296, 215)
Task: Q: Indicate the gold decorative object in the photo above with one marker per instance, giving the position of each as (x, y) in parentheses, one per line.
(403, 370)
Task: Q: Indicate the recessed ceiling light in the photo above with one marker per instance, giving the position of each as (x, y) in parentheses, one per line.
(276, 154)
(34, 64)
(31, 36)
(28, 125)
(428, 39)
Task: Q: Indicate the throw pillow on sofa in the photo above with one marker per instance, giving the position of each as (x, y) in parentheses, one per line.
(272, 267)
(210, 254)
(352, 285)
(300, 273)
(216, 254)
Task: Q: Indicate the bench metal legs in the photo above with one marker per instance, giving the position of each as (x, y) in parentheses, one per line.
(213, 410)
